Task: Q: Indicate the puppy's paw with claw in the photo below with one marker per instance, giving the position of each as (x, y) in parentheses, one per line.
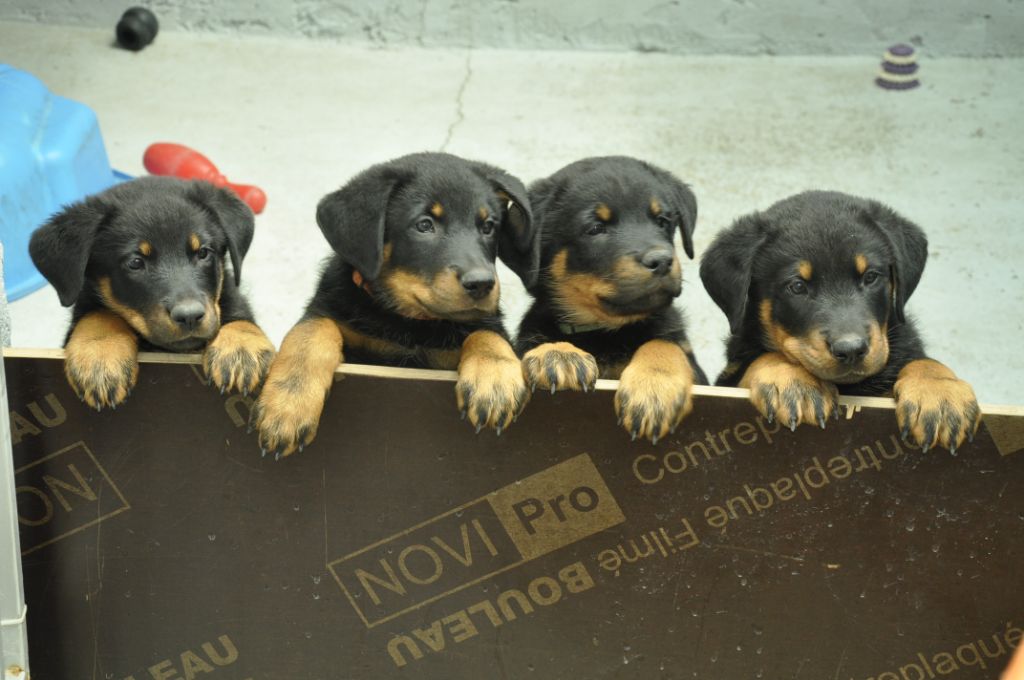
(286, 420)
(655, 391)
(491, 390)
(934, 407)
(559, 366)
(782, 390)
(238, 359)
(287, 412)
(101, 360)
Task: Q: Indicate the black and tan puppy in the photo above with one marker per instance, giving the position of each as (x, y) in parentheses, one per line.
(609, 274)
(145, 265)
(412, 283)
(815, 288)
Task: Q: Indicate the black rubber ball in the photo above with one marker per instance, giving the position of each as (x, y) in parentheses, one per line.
(137, 28)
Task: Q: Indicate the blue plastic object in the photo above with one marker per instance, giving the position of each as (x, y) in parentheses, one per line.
(51, 154)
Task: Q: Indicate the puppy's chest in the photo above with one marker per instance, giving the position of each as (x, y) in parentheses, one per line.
(611, 352)
(362, 347)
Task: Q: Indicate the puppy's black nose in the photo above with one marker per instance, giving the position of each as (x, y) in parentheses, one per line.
(850, 348)
(188, 315)
(658, 260)
(478, 283)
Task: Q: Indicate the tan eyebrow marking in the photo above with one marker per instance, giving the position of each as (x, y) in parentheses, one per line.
(194, 242)
(145, 248)
(603, 212)
(655, 207)
(805, 270)
(437, 210)
(861, 262)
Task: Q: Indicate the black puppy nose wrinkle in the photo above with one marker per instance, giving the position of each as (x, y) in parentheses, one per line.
(188, 315)
(659, 261)
(478, 283)
(849, 349)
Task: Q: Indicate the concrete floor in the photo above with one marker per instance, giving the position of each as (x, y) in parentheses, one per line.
(299, 118)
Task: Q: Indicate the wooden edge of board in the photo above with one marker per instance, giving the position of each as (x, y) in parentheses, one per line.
(452, 376)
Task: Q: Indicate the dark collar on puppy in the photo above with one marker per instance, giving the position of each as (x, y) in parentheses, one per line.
(573, 329)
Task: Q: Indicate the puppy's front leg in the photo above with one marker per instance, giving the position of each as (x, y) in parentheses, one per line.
(935, 407)
(288, 410)
(101, 359)
(238, 358)
(787, 391)
(490, 390)
(559, 366)
(655, 390)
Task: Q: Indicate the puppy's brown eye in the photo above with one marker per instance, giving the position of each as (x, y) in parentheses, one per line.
(597, 229)
(487, 228)
(204, 253)
(135, 264)
(797, 287)
(871, 277)
(425, 225)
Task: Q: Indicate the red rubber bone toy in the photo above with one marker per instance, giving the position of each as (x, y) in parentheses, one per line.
(178, 160)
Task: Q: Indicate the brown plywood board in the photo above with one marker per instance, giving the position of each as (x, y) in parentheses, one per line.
(157, 543)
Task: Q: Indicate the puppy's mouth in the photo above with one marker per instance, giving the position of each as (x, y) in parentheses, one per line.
(166, 334)
(480, 310)
(192, 343)
(816, 358)
(630, 302)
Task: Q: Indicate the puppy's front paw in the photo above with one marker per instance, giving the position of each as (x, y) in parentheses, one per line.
(655, 390)
(559, 366)
(238, 358)
(934, 407)
(285, 418)
(787, 391)
(491, 390)
(287, 412)
(101, 360)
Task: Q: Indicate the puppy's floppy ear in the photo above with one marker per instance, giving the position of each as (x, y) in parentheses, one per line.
(353, 218)
(232, 214)
(684, 204)
(518, 240)
(725, 268)
(909, 248)
(60, 248)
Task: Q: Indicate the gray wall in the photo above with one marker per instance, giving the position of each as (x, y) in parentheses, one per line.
(974, 28)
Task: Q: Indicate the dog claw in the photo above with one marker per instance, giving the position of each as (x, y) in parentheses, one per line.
(498, 430)
(821, 422)
(553, 388)
(792, 424)
(462, 414)
(263, 452)
(277, 456)
(479, 427)
(654, 440)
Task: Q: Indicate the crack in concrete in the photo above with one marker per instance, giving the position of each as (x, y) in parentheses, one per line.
(459, 115)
